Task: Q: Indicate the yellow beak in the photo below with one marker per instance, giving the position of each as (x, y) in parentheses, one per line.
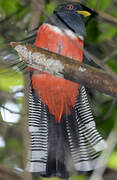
(84, 13)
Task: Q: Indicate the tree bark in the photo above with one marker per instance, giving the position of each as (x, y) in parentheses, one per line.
(8, 175)
(70, 69)
(37, 6)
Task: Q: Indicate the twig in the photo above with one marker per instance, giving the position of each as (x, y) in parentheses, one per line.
(114, 53)
(112, 106)
(58, 65)
(11, 111)
(8, 175)
(7, 124)
(102, 162)
(108, 17)
(37, 7)
(18, 91)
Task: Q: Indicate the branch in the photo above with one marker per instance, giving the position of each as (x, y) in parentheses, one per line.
(11, 111)
(37, 6)
(8, 175)
(86, 53)
(67, 68)
(114, 53)
(103, 160)
(109, 112)
(108, 17)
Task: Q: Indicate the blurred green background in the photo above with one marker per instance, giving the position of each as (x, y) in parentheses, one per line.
(101, 41)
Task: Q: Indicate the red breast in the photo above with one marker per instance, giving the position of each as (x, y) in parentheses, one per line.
(57, 93)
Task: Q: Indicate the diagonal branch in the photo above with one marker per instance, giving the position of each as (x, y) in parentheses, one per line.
(108, 17)
(11, 111)
(103, 160)
(8, 175)
(58, 65)
(86, 53)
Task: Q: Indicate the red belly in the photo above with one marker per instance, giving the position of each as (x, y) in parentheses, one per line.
(57, 93)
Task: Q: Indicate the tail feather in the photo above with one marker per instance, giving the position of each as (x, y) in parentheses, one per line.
(47, 144)
(90, 141)
(56, 150)
(86, 122)
(59, 149)
(38, 128)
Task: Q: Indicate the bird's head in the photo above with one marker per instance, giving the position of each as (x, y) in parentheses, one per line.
(71, 16)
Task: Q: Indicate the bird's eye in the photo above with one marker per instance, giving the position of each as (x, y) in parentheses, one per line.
(69, 6)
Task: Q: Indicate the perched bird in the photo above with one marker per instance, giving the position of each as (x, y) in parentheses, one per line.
(63, 135)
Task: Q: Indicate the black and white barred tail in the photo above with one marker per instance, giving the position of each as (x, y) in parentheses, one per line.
(61, 149)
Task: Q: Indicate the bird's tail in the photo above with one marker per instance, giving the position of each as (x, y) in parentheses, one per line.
(61, 149)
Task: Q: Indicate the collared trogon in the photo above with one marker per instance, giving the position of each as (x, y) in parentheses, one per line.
(63, 135)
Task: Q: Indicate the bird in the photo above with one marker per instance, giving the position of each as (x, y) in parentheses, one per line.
(64, 139)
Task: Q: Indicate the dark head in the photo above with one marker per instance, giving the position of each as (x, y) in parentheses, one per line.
(71, 16)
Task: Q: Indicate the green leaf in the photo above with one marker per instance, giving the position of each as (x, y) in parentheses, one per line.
(2, 40)
(9, 6)
(113, 64)
(50, 8)
(100, 4)
(92, 31)
(2, 154)
(107, 32)
(9, 79)
(13, 144)
(114, 13)
(113, 160)
(108, 124)
(54, 178)
(82, 177)
(23, 12)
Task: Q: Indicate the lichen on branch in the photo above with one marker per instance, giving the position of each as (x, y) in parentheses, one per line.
(55, 64)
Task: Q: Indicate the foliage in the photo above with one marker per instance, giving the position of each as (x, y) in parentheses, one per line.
(101, 40)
